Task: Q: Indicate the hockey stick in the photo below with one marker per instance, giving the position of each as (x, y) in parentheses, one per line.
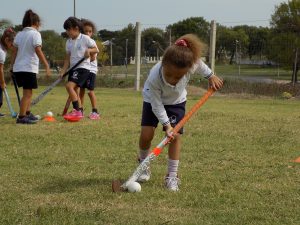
(48, 89)
(16, 87)
(67, 105)
(116, 184)
(12, 112)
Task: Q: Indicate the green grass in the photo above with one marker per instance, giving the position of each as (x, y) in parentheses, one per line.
(235, 165)
(254, 71)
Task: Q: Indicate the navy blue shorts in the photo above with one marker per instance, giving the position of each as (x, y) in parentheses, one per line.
(174, 112)
(79, 76)
(90, 82)
(27, 80)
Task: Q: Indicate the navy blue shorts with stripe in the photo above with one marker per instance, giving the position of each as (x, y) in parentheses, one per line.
(90, 82)
(174, 112)
(79, 76)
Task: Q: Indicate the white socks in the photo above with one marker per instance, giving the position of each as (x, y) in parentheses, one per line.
(173, 167)
(143, 154)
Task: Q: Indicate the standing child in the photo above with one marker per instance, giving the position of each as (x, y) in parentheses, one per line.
(90, 29)
(6, 42)
(164, 96)
(78, 46)
(26, 56)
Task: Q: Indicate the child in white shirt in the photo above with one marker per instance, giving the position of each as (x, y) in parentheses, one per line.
(165, 97)
(6, 42)
(78, 46)
(26, 56)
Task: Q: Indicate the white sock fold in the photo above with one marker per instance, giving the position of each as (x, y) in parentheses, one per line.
(173, 167)
(143, 154)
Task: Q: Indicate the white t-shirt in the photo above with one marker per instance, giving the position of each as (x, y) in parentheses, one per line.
(2, 54)
(158, 92)
(26, 41)
(77, 47)
(94, 64)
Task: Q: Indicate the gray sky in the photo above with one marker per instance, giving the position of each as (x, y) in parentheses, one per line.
(117, 14)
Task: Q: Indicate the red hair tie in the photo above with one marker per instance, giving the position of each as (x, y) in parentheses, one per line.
(181, 42)
(9, 30)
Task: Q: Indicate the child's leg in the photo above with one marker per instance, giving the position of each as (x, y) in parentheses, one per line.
(174, 154)
(1, 97)
(77, 89)
(146, 136)
(93, 99)
(71, 89)
(81, 95)
(25, 102)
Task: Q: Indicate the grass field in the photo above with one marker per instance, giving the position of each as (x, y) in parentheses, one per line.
(235, 165)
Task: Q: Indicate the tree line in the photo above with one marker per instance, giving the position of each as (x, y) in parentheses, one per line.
(278, 43)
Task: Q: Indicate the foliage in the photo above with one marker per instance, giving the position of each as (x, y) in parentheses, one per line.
(230, 41)
(258, 39)
(195, 25)
(153, 42)
(286, 24)
(4, 23)
(118, 39)
(53, 46)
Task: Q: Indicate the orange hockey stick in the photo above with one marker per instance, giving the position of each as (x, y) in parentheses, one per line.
(116, 184)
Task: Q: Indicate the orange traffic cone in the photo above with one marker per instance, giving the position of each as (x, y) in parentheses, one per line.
(297, 160)
(49, 119)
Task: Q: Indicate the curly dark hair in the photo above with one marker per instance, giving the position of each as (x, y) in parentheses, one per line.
(184, 52)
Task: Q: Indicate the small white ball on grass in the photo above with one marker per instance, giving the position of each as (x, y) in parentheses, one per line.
(134, 187)
(50, 114)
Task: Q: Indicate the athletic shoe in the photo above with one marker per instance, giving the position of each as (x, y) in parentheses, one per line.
(94, 116)
(145, 175)
(26, 120)
(2, 115)
(172, 183)
(74, 113)
(32, 117)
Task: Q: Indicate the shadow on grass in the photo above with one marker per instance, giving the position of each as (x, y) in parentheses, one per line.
(61, 185)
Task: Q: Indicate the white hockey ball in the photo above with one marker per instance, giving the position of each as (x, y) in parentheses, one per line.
(134, 187)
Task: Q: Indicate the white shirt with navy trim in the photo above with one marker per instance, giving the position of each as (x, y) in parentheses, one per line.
(77, 47)
(158, 92)
(26, 41)
(94, 64)
(2, 54)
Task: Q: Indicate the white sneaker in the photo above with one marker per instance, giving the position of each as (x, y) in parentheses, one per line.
(145, 175)
(172, 183)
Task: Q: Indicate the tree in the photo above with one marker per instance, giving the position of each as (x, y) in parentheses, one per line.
(286, 29)
(53, 46)
(195, 25)
(153, 41)
(229, 41)
(4, 23)
(122, 40)
(258, 38)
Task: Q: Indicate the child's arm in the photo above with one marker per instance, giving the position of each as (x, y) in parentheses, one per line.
(40, 54)
(2, 81)
(214, 81)
(13, 57)
(91, 51)
(93, 57)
